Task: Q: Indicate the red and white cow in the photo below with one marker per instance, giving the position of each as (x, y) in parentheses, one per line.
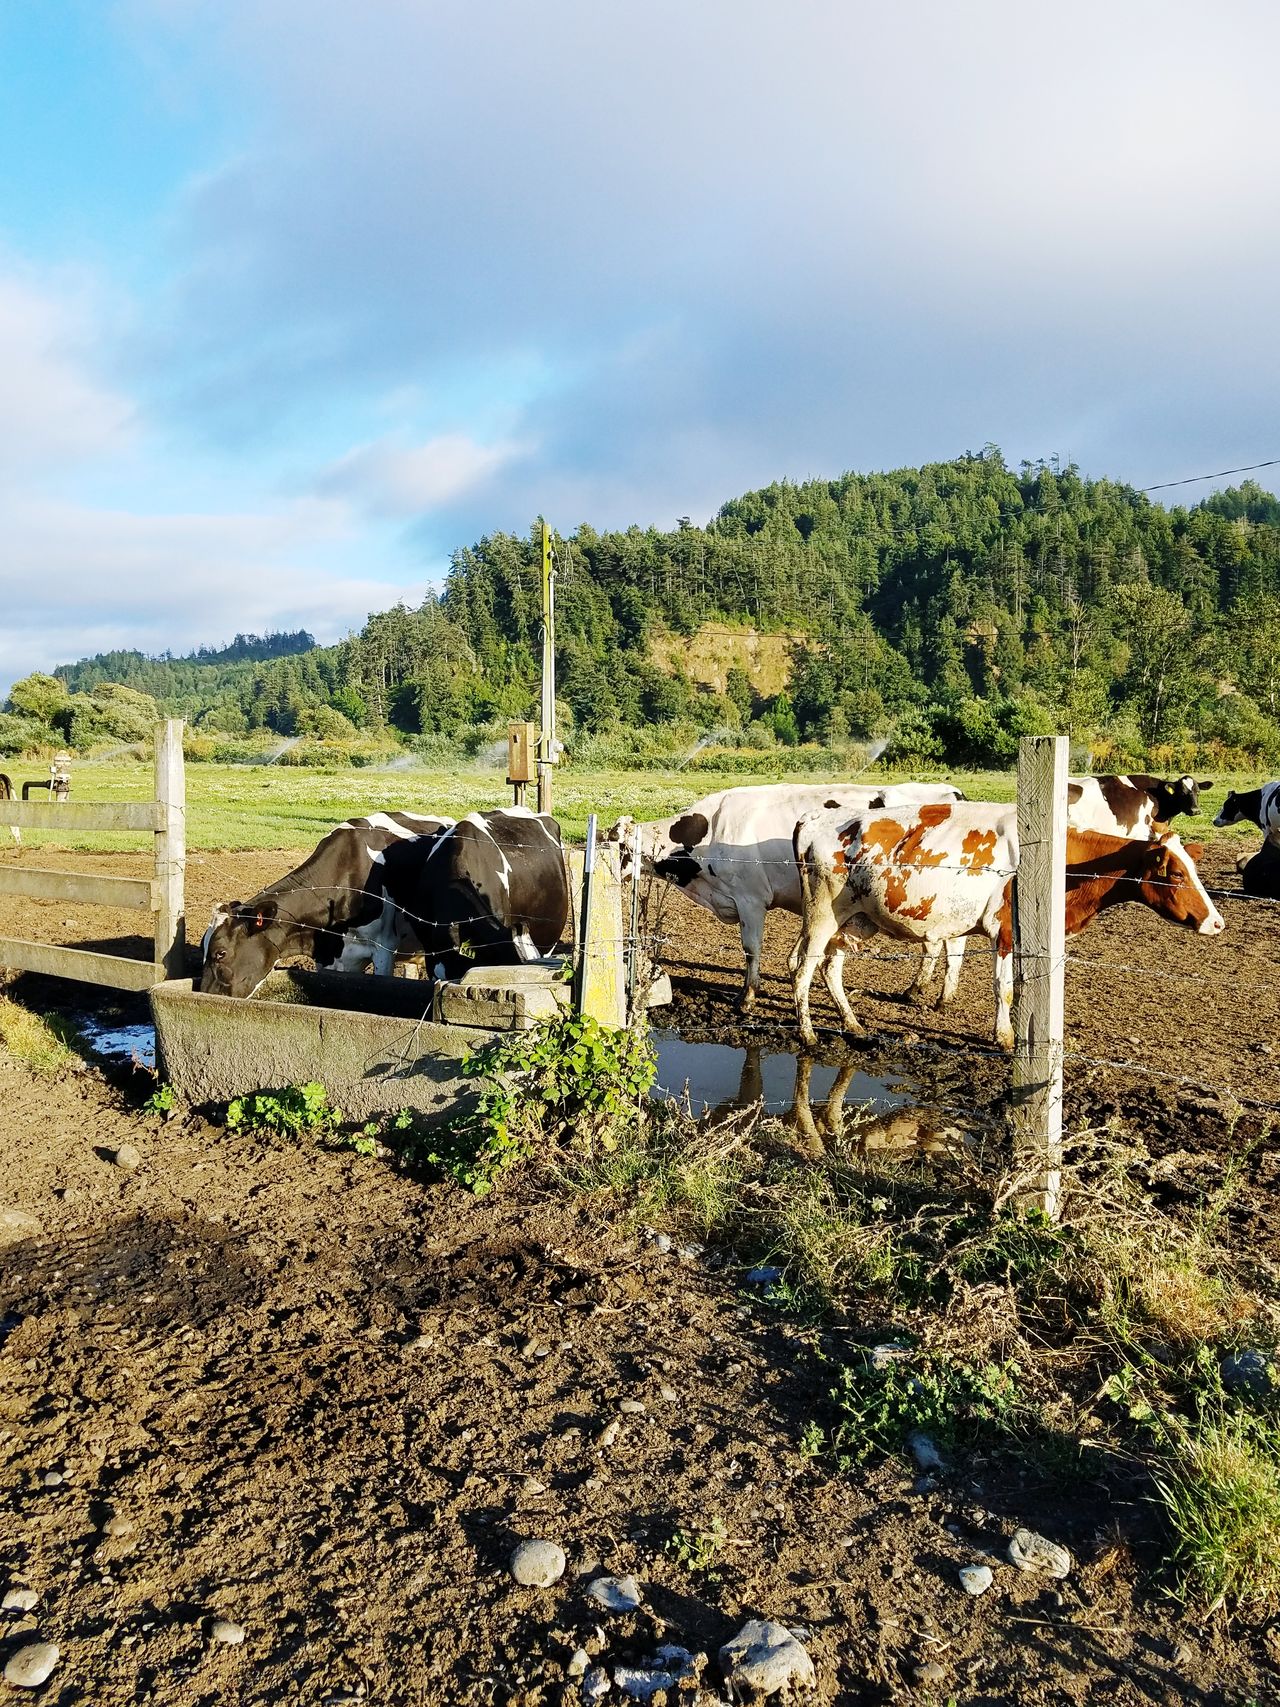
(937, 874)
(731, 852)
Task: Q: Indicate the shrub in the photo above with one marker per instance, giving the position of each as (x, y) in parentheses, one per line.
(287, 1113)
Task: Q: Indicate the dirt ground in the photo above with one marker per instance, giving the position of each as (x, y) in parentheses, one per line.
(285, 1386)
(312, 1396)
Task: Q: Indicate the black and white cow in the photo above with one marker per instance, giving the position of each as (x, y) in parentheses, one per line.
(1130, 806)
(1260, 806)
(489, 889)
(1260, 872)
(331, 909)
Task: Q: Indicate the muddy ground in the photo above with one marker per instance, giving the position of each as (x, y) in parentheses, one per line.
(322, 1400)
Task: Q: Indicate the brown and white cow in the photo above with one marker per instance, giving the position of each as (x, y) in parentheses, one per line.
(938, 874)
(731, 851)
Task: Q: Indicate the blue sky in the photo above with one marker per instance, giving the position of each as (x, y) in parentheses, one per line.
(298, 295)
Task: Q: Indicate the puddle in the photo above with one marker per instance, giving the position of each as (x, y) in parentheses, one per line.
(118, 1042)
(721, 1077)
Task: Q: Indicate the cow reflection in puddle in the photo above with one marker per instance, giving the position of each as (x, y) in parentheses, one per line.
(830, 1118)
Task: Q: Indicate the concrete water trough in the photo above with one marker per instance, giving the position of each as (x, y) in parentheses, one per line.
(375, 1044)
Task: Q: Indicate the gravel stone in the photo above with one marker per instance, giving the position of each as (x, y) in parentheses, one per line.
(632, 1407)
(764, 1659)
(930, 1673)
(16, 1225)
(119, 1528)
(668, 1393)
(923, 1450)
(976, 1579)
(31, 1666)
(537, 1564)
(579, 1661)
(229, 1634)
(616, 1594)
(595, 1684)
(127, 1157)
(1247, 1372)
(20, 1600)
(1032, 1552)
(54, 1478)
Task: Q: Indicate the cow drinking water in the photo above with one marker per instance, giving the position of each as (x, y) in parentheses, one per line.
(489, 889)
(941, 873)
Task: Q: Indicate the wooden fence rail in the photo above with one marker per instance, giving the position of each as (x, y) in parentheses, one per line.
(164, 818)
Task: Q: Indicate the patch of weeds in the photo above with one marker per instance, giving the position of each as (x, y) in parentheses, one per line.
(569, 1082)
(1220, 1490)
(163, 1100)
(671, 1172)
(953, 1403)
(287, 1113)
(696, 1550)
(1011, 1246)
(46, 1044)
(812, 1440)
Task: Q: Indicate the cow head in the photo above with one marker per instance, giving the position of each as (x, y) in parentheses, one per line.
(675, 860)
(622, 835)
(1183, 796)
(1170, 884)
(242, 945)
(1237, 809)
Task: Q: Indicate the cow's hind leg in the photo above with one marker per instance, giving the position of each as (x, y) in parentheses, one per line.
(955, 965)
(833, 977)
(917, 989)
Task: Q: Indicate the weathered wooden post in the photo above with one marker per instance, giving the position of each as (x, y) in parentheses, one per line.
(1040, 941)
(171, 850)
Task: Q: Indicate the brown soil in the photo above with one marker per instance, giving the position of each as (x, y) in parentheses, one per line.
(328, 1399)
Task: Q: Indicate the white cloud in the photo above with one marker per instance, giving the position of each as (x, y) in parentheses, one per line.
(394, 479)
(172, 582)
(53, 411)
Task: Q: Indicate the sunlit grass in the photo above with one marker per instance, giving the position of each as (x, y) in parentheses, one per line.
(237, 807)
(44, 1044)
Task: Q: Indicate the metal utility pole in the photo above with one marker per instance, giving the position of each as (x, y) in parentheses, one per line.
(548, 747)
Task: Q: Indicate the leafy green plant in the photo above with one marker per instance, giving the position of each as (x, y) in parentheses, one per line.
(698, 1549)
(288, 1112)
(569, 1080)
(163, 1100)
(953, 1402)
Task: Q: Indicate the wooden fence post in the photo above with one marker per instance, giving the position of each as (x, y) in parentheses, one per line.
(1039, 913)
(171, 850)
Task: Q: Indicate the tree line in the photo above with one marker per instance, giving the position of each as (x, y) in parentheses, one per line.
(945, 609)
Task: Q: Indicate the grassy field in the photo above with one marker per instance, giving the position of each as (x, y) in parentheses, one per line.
(243, 807)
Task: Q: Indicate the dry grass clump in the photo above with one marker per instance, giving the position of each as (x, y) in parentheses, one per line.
(44, 1044)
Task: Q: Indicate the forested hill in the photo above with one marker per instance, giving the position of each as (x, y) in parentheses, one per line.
(946, 609)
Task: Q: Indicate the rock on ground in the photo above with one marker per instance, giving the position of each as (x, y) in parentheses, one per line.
(976, 1579)
(31, 1666)
(537, 1564)
(615, 1594)
(764, 1659)
(1032, 1552)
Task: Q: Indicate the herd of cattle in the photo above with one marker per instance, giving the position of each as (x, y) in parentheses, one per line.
(914, 862)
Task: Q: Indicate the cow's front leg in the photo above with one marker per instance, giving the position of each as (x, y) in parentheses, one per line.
(1004, 999)
(752, 922)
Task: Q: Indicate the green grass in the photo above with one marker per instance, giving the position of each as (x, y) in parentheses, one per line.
(275, 806)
